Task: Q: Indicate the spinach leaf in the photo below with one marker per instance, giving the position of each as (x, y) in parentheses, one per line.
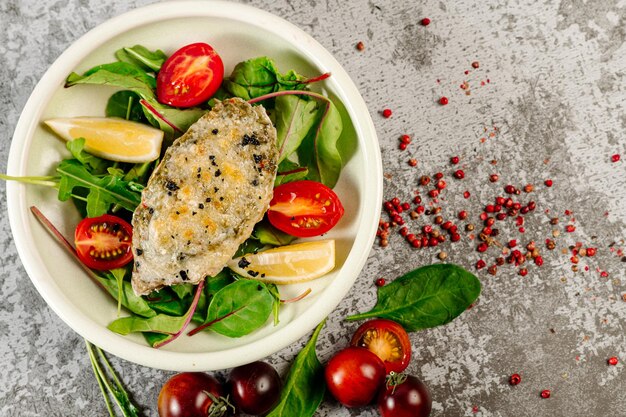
(125, 104)
(426, 297)
(304, 388)
(294, 118)
(160, 323)
(238, 309)
(142, 57)
(104, 190)
(212, 286)
(259, 76)
(319, 151)
(267, 234)
(289, 171)
(109, 73)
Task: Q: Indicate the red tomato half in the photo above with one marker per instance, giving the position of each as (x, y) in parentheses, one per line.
(304, 208)
(388, 340)
(190, 76)
(104, 242)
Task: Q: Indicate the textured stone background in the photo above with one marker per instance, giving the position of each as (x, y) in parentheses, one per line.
(552, 106)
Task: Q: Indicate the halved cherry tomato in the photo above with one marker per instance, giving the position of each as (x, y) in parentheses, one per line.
(104, 242)
(304, 208)
(388, 340)
(190, 76)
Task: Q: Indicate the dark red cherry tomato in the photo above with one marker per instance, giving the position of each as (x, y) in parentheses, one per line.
(190, 76)
(354, 376)
(192, 394)
(388, 340)
(254, 388)
(410, 398)
(304, 208)
(104, 242)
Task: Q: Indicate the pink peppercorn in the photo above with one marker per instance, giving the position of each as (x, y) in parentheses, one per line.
(425, 21)
(480, 264)
(615, 158)
(515, 379)
(613, 360)
(454, 160)
(443, 101)
(545, 393)
(380, 282)
(548, 183)
(387, 113)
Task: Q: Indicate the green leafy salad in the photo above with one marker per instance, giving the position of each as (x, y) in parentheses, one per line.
(309, 136)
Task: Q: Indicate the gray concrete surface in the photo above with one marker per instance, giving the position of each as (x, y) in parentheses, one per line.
(552, 106)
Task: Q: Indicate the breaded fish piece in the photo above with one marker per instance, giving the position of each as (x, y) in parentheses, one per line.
(213, 185)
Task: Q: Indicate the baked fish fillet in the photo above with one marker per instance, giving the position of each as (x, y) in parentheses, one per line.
(213, 185)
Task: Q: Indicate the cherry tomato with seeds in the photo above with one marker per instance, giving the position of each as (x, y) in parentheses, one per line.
(388, 340)
(104, 242)
(254, 388)
(304, 208)
(354, 376)
(190, 76)
(192, 394)
(409, 398)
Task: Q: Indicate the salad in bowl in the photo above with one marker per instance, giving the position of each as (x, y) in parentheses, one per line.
(221, 201)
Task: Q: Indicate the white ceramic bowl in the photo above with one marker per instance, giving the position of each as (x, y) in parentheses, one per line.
(237, 32)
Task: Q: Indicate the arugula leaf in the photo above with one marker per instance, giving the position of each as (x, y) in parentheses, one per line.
(104, 190)
(125, 295)
(294, 118)
(304, 388)
(77, 149)
(142, 57)
(425, 297)
(238, 309)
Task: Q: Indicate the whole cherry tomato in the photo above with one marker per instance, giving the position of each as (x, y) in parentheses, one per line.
(254, 388)
(354, 376)
(104, 242)
(192, 394)
(409, 398)
(190, 76)
(388, 340)
(304, 208)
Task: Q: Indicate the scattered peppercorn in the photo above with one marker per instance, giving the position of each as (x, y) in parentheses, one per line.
(515, 379)
(360, 46)
(443, 101)
(615, 158)
(613, 360)
(545, 393)
(380, 282)
(454, 160)
(425, 21)
(387, 113)
(475, 64)
(548, 183)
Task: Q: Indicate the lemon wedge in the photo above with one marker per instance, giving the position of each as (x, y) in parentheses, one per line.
(288, 264)
(111, 138)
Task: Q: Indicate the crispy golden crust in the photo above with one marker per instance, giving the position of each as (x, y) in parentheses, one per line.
(202, 201)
